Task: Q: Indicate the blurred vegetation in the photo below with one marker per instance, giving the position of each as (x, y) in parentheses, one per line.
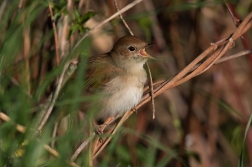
(200, 123)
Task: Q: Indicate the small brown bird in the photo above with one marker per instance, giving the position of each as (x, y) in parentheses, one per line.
(118, 76)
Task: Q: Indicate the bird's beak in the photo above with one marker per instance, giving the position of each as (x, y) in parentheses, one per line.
(144, 54)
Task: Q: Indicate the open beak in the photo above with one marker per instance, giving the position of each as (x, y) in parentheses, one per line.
(144, 54)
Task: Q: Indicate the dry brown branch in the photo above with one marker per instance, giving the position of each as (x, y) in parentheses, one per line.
(210, 56)
(231, 12)
(22, 129)
(237, 22)
(242, 53)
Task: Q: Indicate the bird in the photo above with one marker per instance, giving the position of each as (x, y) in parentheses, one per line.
(118, 77)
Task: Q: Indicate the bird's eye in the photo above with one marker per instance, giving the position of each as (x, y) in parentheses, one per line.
(131, 48)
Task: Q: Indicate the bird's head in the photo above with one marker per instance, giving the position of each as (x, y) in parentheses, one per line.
(130, 51)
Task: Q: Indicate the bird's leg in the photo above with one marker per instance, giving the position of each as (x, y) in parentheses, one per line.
(109, 120)
(100, 128)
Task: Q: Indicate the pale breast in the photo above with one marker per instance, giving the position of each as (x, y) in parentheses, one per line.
(121, 94)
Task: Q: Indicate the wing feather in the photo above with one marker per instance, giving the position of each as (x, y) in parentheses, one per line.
(101, 69)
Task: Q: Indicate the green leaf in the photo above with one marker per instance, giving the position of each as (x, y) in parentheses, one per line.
(57, 16)
(86, 17)
(240, 163)
(77, 15)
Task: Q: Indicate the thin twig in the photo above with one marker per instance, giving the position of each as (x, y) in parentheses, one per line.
(57, 60)
(151, 91)
(55, 34)
(54, 134)
(54, 98)
(237, 22)
(242, 53)
(124, 22)
(226, 58)
(231, 12)
(81, 147)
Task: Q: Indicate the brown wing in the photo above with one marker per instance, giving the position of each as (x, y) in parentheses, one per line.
(101, 69)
